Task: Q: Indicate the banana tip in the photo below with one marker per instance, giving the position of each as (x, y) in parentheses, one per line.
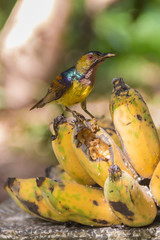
(9, 182)
(114, 172)
(116, 81)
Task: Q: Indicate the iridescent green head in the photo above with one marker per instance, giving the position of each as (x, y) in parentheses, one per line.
(91, 60)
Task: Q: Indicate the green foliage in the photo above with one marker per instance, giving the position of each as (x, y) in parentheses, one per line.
(128, 28)
(5, 9)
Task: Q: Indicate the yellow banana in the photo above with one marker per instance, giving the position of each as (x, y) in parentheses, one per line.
(135, 127)
(155, 184)
(29, 197)
(79, 203)
(96, 150)
(131, 203)
(63, 149)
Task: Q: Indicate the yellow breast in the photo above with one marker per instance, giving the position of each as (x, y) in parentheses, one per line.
(75, 94)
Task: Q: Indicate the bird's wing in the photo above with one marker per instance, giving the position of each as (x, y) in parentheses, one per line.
(57, 88)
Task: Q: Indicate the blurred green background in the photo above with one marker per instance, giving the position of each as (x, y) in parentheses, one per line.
(128, 28)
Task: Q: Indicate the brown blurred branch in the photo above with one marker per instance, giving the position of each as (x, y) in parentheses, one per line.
(29, 46)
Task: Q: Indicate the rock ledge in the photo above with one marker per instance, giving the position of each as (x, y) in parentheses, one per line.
(18, 225)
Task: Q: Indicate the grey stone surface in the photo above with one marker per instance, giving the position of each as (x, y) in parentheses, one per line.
(18, 225)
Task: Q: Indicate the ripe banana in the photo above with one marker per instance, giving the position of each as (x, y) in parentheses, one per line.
(131, 203)
(135, 127)
(29, 197)
(155, 184)
(96, 150)
(63, 149)
(79, 203)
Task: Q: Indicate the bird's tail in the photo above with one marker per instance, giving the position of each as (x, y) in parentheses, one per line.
(39, 104)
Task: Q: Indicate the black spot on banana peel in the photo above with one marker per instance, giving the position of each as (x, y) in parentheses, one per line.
(96, 150)
(121, 208)
(131, 203)
(65, 154)
(34, 209)
(95, 203)
(139, 117)
(31, 206)
(135, 127)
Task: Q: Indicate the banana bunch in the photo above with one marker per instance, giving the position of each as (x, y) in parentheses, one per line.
(135, 127)
(130, 202)
(61, 201)
(101, 162)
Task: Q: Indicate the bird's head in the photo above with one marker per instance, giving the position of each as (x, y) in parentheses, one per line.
(91, 60)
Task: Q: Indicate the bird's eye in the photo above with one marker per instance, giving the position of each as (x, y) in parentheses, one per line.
(90, 57)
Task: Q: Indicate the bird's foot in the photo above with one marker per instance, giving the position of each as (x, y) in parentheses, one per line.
(75, 114)
(84, 107)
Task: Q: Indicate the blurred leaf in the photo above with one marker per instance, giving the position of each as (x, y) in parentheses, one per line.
(5, 9)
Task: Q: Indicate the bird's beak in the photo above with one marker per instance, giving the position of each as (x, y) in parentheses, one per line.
(104, 56)
(108, 55)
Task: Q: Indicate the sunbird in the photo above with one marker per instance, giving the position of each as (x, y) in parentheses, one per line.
(74, 85)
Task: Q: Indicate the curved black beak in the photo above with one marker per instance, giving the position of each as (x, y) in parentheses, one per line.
(103, 56)
(107, 55)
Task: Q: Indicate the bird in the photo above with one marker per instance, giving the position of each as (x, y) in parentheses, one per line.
(75, 84)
